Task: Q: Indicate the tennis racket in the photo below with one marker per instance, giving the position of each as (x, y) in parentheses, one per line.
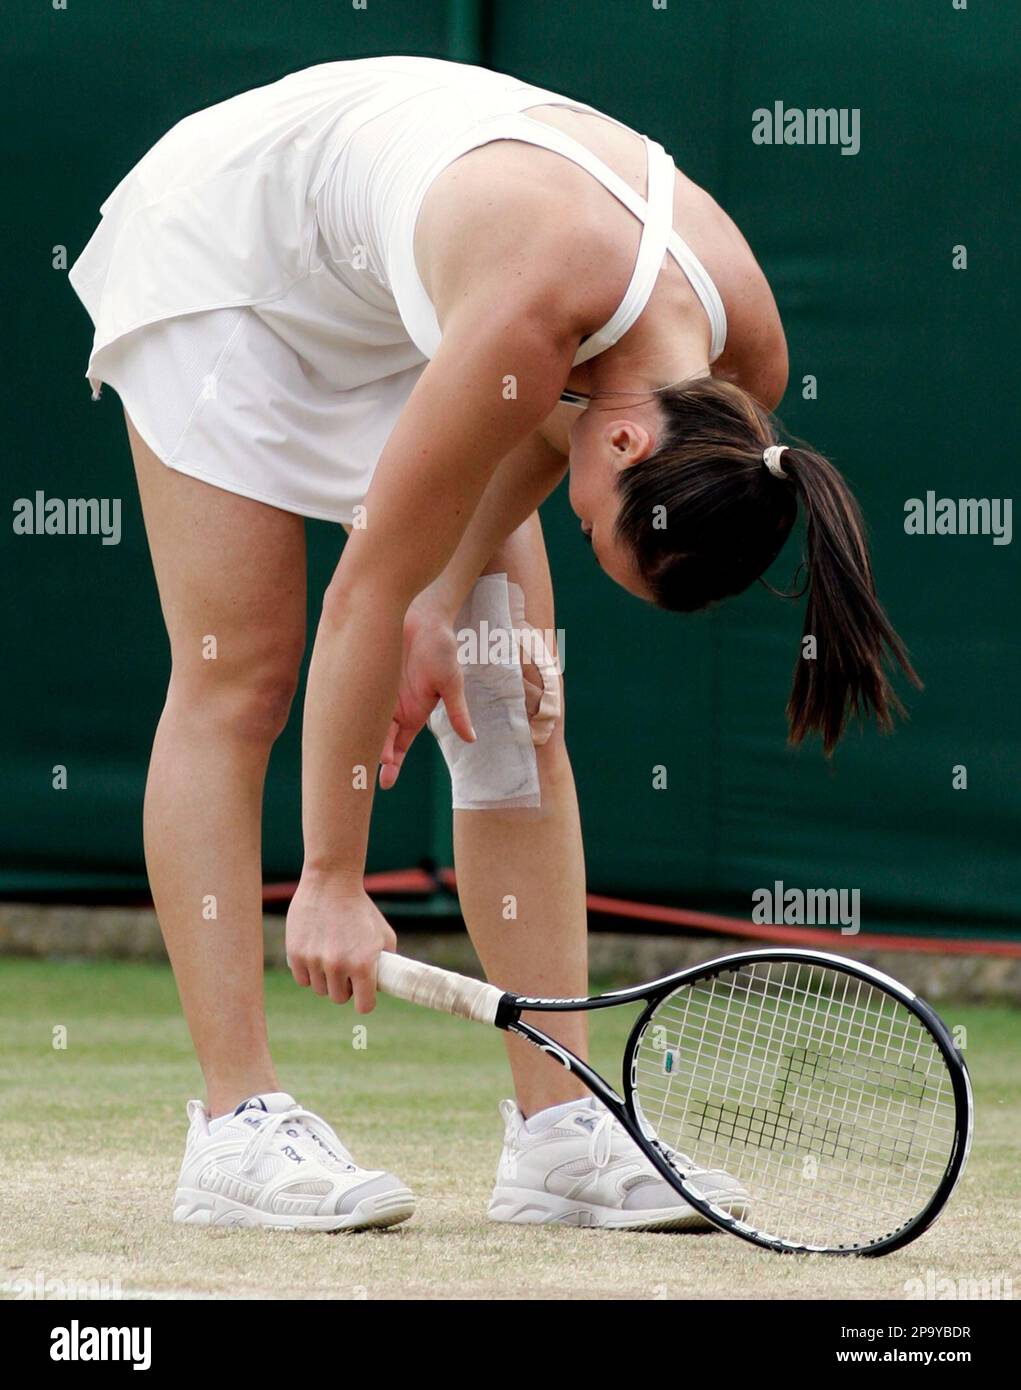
(836, 1098)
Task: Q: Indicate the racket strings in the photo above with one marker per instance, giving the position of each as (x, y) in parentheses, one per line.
(823, 1095)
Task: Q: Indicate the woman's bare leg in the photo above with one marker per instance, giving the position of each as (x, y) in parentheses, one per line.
(536, 857)
(231, 577)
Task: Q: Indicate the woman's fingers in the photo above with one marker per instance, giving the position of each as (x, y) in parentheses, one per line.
(390, 762)
(363, 981)
(333, 979)
(334, 937)
(338, 982)
(391, 737)
(317, 979)
(457, 708)
(404, 737)
(393, 754)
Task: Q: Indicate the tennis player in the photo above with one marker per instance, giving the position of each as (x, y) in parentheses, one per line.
(408, 296)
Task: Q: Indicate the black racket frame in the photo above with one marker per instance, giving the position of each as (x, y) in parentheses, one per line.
(623, 1107)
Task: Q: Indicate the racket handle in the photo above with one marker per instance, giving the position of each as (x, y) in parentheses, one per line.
(437, 989)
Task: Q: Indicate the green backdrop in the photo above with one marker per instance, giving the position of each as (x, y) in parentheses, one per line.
(911, 358)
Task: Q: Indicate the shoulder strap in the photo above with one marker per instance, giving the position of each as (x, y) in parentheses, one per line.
(658, 235)
(656, 213)
(705, 287)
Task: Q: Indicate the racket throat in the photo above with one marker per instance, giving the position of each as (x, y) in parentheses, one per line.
(557, 1052)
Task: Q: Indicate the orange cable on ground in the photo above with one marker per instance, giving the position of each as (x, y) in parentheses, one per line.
(420, 882)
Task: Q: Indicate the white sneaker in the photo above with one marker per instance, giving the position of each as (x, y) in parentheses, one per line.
(273, 1163)
(584, 1170)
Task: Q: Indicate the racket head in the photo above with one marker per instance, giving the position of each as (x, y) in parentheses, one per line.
(835, 1096)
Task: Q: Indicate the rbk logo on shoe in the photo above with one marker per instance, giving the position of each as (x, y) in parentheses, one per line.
(586, 1122)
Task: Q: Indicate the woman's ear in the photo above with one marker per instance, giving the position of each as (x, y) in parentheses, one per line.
(629, 442)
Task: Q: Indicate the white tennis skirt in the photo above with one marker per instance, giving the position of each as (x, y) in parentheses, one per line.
(225, 397)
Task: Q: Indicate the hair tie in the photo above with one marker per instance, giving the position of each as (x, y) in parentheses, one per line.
(771, 458)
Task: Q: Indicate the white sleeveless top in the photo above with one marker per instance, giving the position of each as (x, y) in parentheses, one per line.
(300, 199)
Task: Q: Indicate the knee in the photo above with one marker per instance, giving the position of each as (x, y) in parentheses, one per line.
(258, 710)
(247, 700)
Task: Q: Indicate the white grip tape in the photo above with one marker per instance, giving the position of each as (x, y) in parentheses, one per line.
(437, 989)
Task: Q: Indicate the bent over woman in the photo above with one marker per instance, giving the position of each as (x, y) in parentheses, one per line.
(409, 296)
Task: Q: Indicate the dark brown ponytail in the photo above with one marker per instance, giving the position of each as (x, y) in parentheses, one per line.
(854, 639)
(727, 518)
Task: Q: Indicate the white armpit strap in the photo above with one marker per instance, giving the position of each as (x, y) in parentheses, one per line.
(499, 770)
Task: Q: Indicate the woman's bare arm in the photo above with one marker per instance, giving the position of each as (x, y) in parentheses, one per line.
(511, 322)
(523, 480)
(457, 427)
(521, 483)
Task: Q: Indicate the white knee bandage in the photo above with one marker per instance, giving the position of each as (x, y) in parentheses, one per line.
(500, 768)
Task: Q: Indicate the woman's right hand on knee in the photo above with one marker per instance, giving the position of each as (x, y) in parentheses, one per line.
(430, 672)
(335, 934)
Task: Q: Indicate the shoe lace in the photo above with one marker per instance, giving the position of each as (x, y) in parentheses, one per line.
(600, 1147)
(600, 1144)
(319, 1131)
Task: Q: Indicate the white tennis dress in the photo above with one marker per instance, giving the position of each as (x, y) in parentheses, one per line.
(253, 284)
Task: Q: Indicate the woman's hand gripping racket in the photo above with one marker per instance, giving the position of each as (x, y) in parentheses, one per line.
(832, 1094)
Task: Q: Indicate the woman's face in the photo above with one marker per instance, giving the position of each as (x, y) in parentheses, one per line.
(603, 443)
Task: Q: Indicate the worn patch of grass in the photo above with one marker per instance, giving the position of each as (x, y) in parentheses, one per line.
(93, 1135)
